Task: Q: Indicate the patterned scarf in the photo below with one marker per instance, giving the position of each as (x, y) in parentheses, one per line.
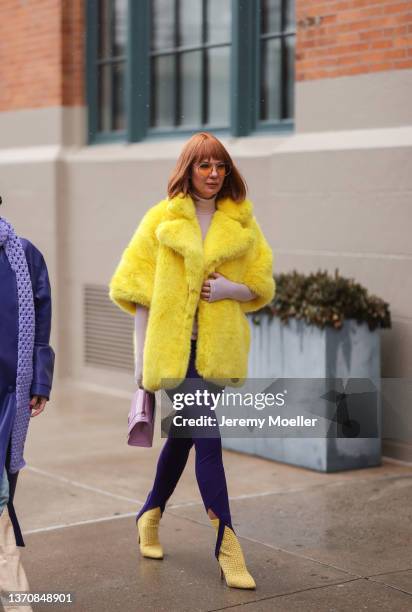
(26, 325)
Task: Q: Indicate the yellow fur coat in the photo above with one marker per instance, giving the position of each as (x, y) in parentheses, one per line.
(164, 267)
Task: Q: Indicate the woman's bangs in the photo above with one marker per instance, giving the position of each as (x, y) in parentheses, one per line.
(210, 149)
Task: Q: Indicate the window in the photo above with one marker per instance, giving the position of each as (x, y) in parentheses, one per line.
(157, 67)
(107, 75)
(277, 59)
(190, 63)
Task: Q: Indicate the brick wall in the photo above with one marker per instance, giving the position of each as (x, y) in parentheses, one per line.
(41, 53)
(42, 45)
(345, 37)
(73, 59)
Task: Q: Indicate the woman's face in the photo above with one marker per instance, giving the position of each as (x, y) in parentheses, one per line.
(208, 176)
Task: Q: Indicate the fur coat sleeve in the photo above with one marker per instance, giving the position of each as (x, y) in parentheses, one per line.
(133, 280)
(259, 272)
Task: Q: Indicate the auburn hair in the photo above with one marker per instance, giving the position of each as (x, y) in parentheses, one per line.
(199, 147)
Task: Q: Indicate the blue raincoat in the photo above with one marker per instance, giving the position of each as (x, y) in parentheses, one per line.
(43, 354)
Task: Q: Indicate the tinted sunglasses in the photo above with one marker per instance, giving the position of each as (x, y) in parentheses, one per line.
(206, 168)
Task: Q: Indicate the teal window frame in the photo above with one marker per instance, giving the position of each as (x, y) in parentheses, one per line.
(92, 62)
(270, 125)
(204, 45)
(244, 86)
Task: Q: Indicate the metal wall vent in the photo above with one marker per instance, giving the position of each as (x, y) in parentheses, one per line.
(108, 333)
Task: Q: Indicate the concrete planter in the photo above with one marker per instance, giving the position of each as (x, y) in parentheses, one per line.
(299, 350)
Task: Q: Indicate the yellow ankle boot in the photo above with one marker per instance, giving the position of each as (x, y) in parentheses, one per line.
(148, 528)
(231, 560)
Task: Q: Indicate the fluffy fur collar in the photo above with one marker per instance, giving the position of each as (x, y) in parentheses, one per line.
(229, 235)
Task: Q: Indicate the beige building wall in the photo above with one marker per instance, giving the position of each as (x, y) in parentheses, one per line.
(334, 194)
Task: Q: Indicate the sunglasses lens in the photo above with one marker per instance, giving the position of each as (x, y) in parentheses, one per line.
(205, 169)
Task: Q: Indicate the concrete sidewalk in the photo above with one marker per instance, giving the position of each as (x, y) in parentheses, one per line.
(336, 542)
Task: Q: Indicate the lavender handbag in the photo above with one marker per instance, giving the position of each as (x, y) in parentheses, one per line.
(141, 418)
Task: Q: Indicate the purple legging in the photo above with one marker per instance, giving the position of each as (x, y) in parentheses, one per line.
(210, 473)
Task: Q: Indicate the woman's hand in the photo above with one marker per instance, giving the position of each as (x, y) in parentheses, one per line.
(205, 291)
(218, 287)
(37, 404)
(139, 379)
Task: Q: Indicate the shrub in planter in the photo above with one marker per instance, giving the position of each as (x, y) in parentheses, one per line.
(325, 329)
(324, 300)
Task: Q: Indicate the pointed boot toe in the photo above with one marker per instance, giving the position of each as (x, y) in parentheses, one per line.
(231, 560)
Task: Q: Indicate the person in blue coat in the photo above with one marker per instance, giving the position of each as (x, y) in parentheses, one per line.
(26, 357)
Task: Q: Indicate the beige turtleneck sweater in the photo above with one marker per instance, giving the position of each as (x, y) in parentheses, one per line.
(221, 288)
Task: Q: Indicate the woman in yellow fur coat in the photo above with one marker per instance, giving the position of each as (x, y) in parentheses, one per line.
(196, 264)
